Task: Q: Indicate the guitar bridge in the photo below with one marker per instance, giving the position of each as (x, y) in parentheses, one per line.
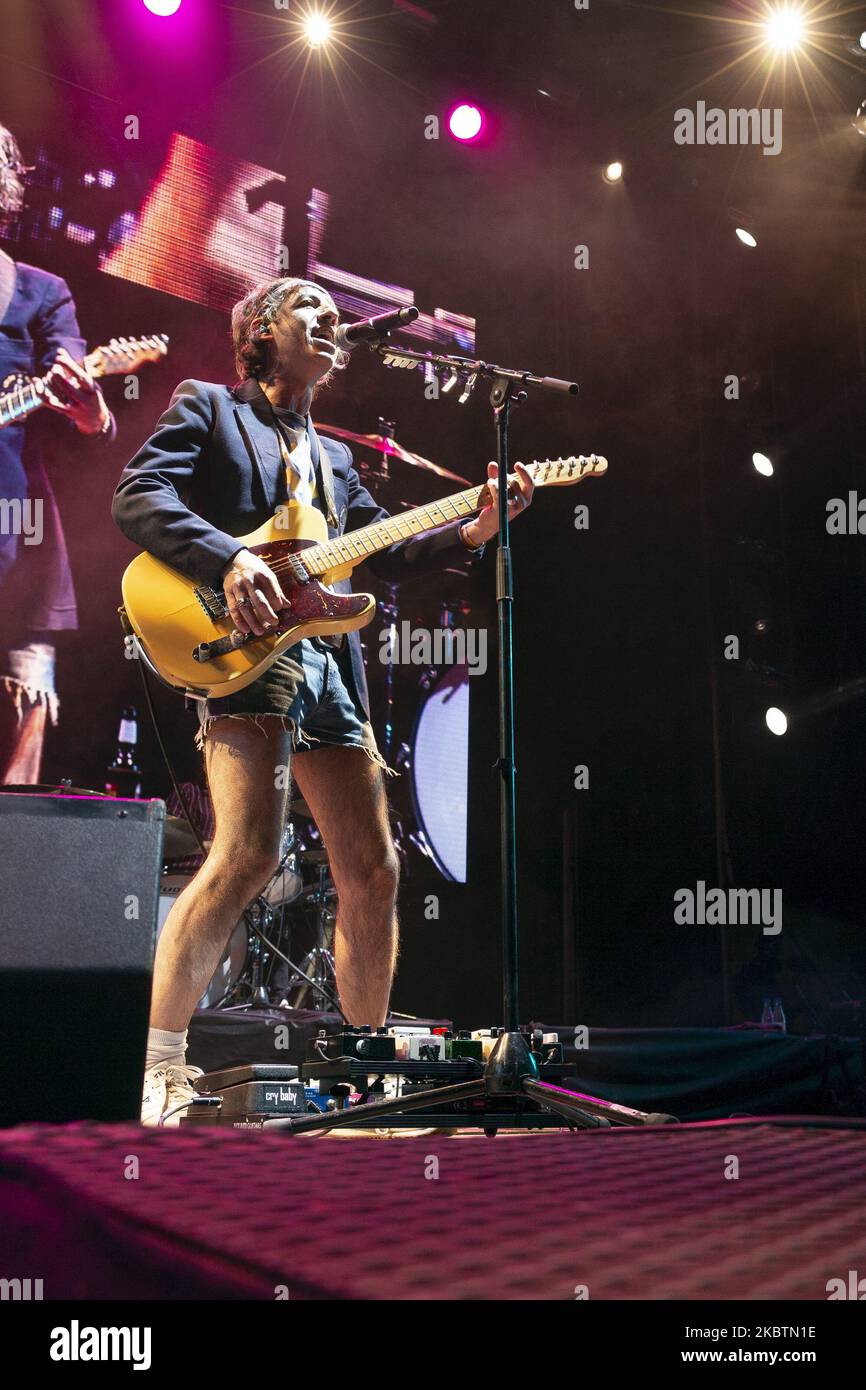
(213, 602)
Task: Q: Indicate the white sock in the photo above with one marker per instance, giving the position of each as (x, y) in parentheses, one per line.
(165, 1049)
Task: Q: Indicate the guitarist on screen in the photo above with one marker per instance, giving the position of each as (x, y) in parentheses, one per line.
(220, 462)
(38, 331)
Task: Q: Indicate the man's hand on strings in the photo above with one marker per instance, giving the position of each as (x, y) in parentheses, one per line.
(253, 594)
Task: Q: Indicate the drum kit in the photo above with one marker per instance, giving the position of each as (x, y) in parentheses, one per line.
(256, 970)
(423, 735)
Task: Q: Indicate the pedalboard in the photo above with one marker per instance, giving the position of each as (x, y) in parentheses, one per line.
(244, 1097)
(351, 1067)
(361, 1043)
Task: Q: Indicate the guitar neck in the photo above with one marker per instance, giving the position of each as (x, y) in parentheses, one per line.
(355, 546)
(30, 395)
(17, 404)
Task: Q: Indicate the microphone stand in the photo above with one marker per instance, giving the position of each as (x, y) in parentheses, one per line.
(512, 1071)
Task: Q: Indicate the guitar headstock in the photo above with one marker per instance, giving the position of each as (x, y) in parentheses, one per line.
(562, 472)
(125, 354)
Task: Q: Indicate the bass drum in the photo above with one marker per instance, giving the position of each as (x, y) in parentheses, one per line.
(234, 957)
(440, 772)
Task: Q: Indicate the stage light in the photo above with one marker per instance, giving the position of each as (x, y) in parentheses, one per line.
(466, 122)
(776, 720)
(785, 29)
(762, 465)
(162, 7)
(317, 29)
(746, 237)
(862, 39)
(613, 172)
(859, 121)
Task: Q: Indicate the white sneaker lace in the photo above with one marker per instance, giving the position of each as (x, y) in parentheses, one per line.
(178, 1088)
(181, 1077)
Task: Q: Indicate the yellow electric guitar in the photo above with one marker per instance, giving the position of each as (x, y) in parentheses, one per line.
(185, 631)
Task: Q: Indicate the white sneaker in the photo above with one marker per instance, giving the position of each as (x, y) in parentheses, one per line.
(166, 1086)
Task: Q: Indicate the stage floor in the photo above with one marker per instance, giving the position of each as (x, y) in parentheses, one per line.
(116, 1211)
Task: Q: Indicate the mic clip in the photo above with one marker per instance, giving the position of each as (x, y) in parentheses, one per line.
(468, 388)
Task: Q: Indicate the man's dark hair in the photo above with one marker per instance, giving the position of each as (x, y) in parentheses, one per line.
(255, 311)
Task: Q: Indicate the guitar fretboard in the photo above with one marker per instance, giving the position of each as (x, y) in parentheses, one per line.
(14, 405)
(355, 546)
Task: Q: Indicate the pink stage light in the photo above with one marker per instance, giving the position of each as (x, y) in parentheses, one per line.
(162, 7)
(466, 122)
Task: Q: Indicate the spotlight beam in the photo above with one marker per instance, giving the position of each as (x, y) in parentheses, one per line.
(317, 28)
(755, 27)
(785, 29)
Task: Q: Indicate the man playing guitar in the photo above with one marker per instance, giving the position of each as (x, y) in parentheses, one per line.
(38, 332)
(219, 462)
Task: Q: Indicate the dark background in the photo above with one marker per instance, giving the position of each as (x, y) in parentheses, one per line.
(619, 628)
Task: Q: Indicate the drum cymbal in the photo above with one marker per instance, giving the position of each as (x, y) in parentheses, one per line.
(179, 839)
(384, 444)
(48, 789)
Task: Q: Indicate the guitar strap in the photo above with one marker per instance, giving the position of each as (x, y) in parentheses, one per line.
(325, 479)
(8, 277)
(324, 474)
(320, 461)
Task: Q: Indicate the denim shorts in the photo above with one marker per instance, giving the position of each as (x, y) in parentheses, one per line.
(27, 673)
(305, 690)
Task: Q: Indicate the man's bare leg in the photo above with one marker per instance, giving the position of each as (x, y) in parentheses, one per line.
(22, 739)
(346, 793)
(242, 761)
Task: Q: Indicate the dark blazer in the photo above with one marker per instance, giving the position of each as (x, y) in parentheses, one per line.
(212, 471)
(36, 589)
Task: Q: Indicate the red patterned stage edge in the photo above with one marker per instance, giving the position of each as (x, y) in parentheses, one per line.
(629, 1215)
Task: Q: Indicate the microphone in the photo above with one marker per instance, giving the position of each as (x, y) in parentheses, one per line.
(351, 335)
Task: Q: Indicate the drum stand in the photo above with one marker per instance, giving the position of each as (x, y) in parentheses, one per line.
(257, 936)
(317, 971)
(318, 968)
(390, 611)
